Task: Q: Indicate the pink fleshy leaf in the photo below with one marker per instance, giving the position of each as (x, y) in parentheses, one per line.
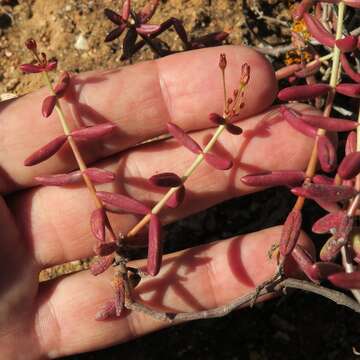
(46, 151)
(50, 66)
(155, 246)
(302, 8)
(183, 138)
(346, 280)
(347, 44)
(234, 129)
(106, 311)
(351, 90)
(304, 260)
(295, 121)
(326, 154)
(328, 223)
(177, 198)
(48, 105)
(93, 132)
(105, 248)
(275, 178)
(216, 119)
(59, 179)
(97, 222)
(330, 193)
(308, 70)
(31, 68)
(218, 162)
(147, 29)
(317, 31)
(325, 269)
(349, 166)
(166, 179)
(100, 176)
(287, 71)
(353, 75)
(126, 10)
(101, 264)
(329, 123)
(351, 143)
(62, 84)
(119, 296)
(290, 232)
(303, 92)
(123, 203)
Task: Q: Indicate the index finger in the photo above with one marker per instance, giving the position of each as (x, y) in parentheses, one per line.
(139, 99)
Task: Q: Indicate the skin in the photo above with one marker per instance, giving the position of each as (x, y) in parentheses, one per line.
(46, 226)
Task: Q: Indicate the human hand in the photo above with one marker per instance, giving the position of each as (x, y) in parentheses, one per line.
(49, 225)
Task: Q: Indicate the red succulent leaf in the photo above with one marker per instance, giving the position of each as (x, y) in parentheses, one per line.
(287, 71)
(100, 176)
(346, 280)
(317, 31)
(328, 223)
(59, 179)
(295, 121)
(351, 143)
(211, 39)
(180, 30)
(126, 10)
(218, 162)
(115, 33)
(304, 260)
(48, 105)
(274, 178)
(183, 138)
(234, 129)
(31, 68)
(129, 42)
(46, 151)
(326, 268)
(106, 311)
(330, 193)
(101, 264)
(62, 84)
(349, 70)
(155, 246)
(93, 132)
(123, 203)
(347, 44)
(146, 13)
(216, 119)
(351, 90)
(290, 232)
(326, 154)
(119, 296)
(329, 123)
(177, 198)
(147, 29)
(166, 179)
(97, 222)
(303, 92)
(349, 166)
(302, 8)
(113, 17)
(50, 66)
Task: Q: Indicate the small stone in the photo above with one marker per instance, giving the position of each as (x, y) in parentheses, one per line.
(7, 96)
(8, 53)
(81, 43)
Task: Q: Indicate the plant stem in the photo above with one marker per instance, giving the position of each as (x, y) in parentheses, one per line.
(335, 69)
(198, 160)
(78, 157)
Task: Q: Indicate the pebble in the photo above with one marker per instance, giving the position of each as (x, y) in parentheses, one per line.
(81, 43)
(7, 96)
